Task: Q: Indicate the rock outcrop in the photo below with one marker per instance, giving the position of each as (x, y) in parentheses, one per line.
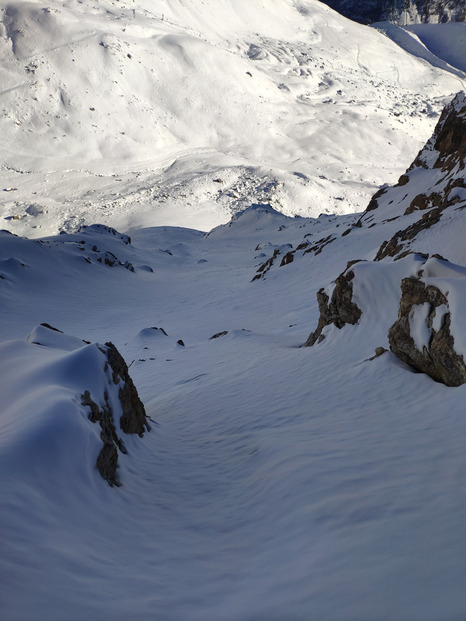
(74, 402)
(421, 335)
(434, 184)
(447, 146)
(400, 11)
(107, 460)
(338, 309)
(132, 418)
(99, 376)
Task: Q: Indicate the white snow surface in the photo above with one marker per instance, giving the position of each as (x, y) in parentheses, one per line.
(418, 325)
(447, 41)
(277, 482)
(180, 113)
(442, 45)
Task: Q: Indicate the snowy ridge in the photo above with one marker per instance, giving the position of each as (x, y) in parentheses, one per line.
(49, 436)
(442, 45)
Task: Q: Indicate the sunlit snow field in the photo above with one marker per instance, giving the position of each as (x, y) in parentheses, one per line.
(278, 482)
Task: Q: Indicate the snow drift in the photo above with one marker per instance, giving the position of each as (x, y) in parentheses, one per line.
(54, 388)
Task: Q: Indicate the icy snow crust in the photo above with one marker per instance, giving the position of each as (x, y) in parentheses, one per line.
(279, 482)
(182, 113)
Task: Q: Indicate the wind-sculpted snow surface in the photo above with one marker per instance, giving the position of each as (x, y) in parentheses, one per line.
(131, 114)
(281, 482)
(53, 388)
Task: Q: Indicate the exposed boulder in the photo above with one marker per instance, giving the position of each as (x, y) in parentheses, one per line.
(217, 335)
(421, 335)
(337, 309)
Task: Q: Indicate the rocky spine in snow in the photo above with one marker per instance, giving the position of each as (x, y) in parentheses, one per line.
(437, 358)
(439, 169)
(339, 309)
(401, 12)
(132, 420)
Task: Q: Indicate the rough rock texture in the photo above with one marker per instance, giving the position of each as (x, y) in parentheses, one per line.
(264, 267)
(337, 310)
(217, 335)
(401, 11)
(447, 146)
(438, 359)
(439, 170)
(107, 460)
(133, 419)
(395, 247)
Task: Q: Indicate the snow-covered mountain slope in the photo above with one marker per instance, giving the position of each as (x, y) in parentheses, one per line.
(432, 190)
(442, 45)
(447, 41)
(131, 114)
(280, 481)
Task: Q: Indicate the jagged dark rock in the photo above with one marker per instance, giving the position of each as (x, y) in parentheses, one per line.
(320, 245)
(449, 137)
(264, 268)
(107, 460)
(133, 419)
(395, 247)
(373, 204)
(337, 310)
(400, 11)
(441, 163)
(287, 258)
(438, 358)
(107, 463)
(218, 335)
(47, 325)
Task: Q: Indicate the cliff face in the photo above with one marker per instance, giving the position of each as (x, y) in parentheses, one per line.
(401, 12)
